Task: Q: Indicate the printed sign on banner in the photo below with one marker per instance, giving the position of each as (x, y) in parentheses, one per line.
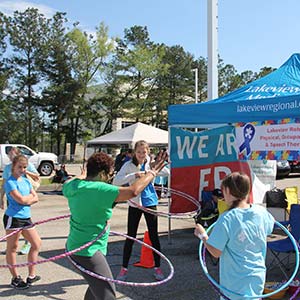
(200, 160)
(268, 140)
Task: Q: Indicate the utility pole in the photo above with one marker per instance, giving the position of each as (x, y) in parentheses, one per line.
(212, 49)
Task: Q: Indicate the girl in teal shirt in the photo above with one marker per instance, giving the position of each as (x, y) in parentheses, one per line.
(239, 238)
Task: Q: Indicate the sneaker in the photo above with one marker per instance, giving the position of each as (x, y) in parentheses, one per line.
(123, 274)
(30, 281)
(158, 274)
(19, 284)
(25, 249)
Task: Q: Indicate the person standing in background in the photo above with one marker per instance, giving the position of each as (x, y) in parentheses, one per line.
(129, 173)
(20, 196)
(119, 161)
(31, 173)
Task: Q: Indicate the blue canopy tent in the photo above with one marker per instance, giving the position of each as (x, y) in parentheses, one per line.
(275, 96)
(272, 98)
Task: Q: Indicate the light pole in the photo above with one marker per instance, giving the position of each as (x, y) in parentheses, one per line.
(212, 49)
(196, 84)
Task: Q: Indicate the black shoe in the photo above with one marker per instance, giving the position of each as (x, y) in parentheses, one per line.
(19, 284)
(30, 281)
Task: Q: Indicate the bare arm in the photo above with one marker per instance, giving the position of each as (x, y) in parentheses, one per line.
(34, 176)
(138, 186)
(199, 230)
(25, 200)
(81, 176)
(2, 193)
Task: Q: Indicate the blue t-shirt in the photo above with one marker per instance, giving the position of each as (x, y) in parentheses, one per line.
(148, 195)
(241, 235)
(15, 209)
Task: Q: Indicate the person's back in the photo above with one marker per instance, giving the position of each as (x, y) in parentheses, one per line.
(245, 232)
(239, 238)
(119, 161)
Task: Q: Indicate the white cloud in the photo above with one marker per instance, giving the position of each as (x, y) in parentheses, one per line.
(8, 7)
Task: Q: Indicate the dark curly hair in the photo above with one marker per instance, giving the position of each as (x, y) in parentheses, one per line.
(99, 162)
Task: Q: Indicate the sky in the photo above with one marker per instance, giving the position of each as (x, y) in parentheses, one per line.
(251, 33)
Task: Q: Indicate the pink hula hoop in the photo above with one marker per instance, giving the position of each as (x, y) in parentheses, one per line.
(129, 283)
(185, 215)
(53, 258)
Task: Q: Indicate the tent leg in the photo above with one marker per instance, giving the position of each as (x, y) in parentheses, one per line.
(169, 219)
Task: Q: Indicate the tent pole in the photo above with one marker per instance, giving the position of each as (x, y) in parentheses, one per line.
(169, 185)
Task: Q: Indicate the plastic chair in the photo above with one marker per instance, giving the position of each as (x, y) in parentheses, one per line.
(291, 194)
(207, 220)
(283, 249)
(222, 206)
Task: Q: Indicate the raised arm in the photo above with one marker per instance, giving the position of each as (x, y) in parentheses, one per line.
(138, 186)
(124, 175)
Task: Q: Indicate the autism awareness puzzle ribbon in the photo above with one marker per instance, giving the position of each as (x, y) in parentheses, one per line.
(249, 132)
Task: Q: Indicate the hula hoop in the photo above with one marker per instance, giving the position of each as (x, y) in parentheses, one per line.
(186, 215)
(129, 283)
(56, 257)
(222, 288)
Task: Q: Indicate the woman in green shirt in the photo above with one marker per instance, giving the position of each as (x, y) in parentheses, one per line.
(91, 200)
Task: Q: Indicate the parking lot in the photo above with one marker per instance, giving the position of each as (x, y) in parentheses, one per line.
(61, 281)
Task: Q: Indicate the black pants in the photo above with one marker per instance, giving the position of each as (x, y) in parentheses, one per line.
(133, 220)
(98, 289)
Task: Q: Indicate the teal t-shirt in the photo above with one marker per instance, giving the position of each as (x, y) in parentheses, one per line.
(90, 204)
(241, 235)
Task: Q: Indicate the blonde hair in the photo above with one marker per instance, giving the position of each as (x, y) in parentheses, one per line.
(19, 158)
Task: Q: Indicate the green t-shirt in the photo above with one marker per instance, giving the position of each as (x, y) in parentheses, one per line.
(90, 204)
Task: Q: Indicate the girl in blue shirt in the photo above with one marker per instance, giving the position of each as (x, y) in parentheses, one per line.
(239, 238)
(20, 196)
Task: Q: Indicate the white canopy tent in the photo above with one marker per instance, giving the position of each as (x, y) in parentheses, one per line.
(131, 134)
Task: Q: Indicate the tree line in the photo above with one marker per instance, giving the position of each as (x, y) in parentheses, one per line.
(62, 85)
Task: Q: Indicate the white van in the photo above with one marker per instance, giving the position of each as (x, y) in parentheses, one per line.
(44, 162)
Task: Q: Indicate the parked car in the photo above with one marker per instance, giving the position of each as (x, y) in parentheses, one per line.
(44, 162)
(295, 166)
(283, 168)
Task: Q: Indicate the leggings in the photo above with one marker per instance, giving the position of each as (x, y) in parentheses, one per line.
(133, 220)
(98, 289)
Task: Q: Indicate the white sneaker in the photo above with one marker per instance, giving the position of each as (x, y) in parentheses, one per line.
(25, 248)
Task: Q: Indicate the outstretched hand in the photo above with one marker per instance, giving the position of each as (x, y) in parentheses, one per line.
(160, 161)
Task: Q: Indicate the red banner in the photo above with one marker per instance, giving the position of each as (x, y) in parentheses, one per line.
(192, 180)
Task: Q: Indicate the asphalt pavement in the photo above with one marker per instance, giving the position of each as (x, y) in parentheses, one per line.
(60, 280)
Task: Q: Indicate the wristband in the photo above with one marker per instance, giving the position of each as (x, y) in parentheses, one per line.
(152, 172)
(201, 236)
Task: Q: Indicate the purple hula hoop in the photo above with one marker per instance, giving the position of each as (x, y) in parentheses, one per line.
(141, 284)
(172, 215)
(53, 258)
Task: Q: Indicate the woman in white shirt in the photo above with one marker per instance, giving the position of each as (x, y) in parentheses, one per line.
(130, 171)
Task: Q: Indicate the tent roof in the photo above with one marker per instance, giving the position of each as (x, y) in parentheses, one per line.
(272, 97)
(131, 134)
(285, 81)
